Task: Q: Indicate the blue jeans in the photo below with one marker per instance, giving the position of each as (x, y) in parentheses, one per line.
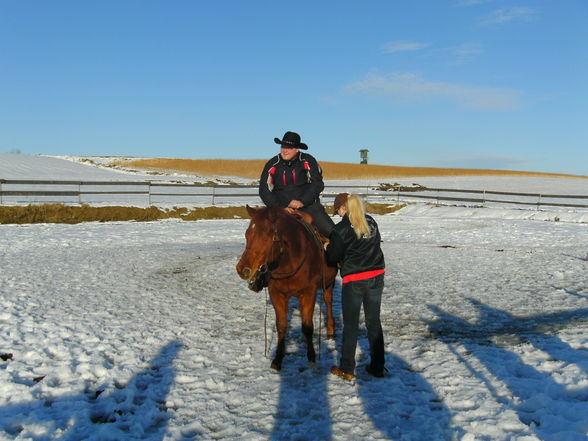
(369, 293)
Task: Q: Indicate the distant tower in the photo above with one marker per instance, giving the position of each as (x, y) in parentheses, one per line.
(363, 153)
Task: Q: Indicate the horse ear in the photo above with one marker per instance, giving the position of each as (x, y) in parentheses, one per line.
(252, 211)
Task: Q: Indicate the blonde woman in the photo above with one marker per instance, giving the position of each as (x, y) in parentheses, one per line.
(355, 245)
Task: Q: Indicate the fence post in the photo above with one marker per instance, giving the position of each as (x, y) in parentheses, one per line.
(539, 202)
(0, 191)
(79, 193)
(149, 193)
(213, 195)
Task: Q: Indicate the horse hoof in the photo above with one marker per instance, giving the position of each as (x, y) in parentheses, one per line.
(276, 366)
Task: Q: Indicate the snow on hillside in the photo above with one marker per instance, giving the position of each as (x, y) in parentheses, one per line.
(94, 168)
(15, 166)
(143, 331)
(106, 162)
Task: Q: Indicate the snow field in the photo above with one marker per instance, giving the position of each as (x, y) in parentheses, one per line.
(144, 331)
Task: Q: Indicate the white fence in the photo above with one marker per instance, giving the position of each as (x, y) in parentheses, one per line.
(23, 192)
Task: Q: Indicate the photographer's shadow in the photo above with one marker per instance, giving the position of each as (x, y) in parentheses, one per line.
(303, 405)
(133, 410)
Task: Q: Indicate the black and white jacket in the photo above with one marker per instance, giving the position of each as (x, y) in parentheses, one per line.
(282, 181)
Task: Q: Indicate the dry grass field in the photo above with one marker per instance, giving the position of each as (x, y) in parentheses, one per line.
(251, 169)
(67, 214)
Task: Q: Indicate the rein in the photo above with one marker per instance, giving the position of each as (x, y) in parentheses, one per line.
(265, 325)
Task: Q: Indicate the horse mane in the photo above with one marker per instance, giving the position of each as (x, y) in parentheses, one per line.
(290, 222)
(289, 219)
(276, 213)
(306, 217)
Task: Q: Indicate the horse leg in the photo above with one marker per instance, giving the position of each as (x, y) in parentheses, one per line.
(280, 303)
(328, 299)
(306, 302)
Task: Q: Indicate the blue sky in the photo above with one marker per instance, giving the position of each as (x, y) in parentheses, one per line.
(458, 83)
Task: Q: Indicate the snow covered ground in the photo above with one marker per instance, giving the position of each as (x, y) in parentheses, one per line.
(143, 331)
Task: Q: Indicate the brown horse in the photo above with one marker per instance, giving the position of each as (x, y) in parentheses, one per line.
(284, 252)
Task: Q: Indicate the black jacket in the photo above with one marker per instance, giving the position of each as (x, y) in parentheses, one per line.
(282, 181)
(355, 255)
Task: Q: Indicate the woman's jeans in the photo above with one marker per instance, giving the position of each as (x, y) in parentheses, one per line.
(369, 293)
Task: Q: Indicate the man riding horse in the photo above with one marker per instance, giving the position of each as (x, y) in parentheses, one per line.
(294, 180)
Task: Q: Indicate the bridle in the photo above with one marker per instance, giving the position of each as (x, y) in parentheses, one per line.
(267, 268)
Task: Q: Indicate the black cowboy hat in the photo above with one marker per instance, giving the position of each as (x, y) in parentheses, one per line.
(292, 140)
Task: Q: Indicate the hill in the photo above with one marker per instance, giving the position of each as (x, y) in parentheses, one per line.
(251, 168)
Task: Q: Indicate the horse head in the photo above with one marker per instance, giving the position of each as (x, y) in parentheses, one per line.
(263, 246)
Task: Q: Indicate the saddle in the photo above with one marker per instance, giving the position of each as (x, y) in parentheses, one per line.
(306, 220)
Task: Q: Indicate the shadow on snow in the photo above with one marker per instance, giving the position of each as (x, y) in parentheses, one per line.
(402, 405)
(546, 406)
(303, 407)
(132, 411)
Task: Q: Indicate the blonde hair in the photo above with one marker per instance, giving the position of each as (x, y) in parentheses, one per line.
(356, 213)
